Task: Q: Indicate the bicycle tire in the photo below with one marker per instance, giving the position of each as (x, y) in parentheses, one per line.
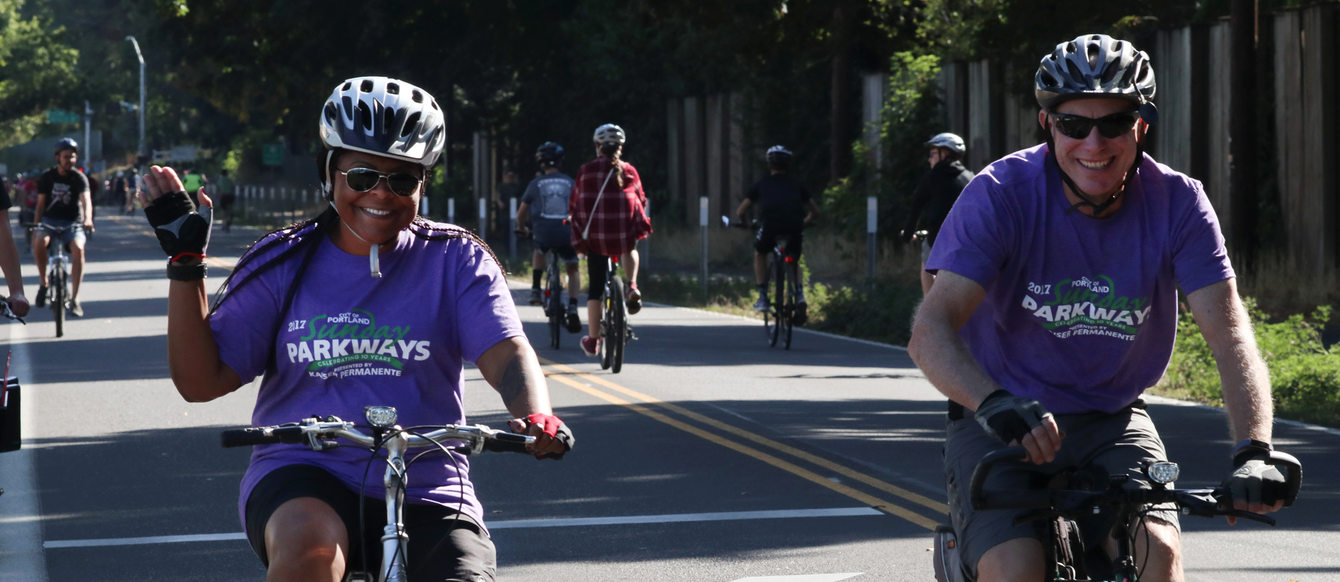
(618, 324)
(57, 290)
(788, 308)
(554, 303)
(606, 328)
(778, 298)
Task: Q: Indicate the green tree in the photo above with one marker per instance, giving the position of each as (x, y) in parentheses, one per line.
(35, 70)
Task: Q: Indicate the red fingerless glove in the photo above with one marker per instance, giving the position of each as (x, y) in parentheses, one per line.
(548, 423)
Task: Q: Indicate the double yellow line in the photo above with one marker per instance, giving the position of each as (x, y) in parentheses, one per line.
(662, 411)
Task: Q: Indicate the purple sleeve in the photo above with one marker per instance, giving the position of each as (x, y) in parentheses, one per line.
(484, 303)
(976, 235)
(244, 325)
(1200, 257)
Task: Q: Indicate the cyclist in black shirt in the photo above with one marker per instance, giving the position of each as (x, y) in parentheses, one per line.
(784, 208)
(64, 201)
(935, 195)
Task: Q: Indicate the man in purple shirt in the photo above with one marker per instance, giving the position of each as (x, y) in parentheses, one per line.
(1055, 307)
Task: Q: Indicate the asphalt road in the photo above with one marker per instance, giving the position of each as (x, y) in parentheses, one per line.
(711, 457)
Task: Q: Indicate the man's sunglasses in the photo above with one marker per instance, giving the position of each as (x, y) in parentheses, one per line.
(364, 179)
(1109, 126)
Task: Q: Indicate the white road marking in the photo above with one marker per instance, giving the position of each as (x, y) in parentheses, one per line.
(802, 578)
(522, 524)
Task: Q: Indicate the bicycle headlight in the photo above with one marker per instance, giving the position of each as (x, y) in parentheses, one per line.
(1163, 472)
(380, 416)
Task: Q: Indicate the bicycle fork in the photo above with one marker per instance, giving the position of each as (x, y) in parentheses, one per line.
(395, 542)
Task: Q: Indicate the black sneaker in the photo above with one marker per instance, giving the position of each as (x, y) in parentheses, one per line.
(41, 296)
(573, 322)
(802, 314)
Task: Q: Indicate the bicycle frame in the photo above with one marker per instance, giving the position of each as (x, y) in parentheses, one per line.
(385, 434)
(58, 275)
(553, 295)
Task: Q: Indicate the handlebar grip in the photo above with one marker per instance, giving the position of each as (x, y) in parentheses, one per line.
(263, 435)
(506, 442)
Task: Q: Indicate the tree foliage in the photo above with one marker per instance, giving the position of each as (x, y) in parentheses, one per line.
(35, 70)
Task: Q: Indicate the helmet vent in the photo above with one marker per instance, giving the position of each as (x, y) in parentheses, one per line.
(347, 86)
(330, 113)
(365, 86)
(416, 96)
(364, 116)
(388, 117)
(392, 89)
(348, 109)
(410, 124)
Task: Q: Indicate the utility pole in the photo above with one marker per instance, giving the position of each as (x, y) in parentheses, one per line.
(140, 56)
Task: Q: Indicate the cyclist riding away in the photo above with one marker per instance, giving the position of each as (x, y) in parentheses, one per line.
(785, 208)
(609, 216)
(64, 203)
(1055, 307)
(935, 195)
(365, 304)
(548, 227)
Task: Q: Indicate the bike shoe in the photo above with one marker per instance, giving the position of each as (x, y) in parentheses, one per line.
(76, 309)
(634, 300)
(590, 345)
(41, 296)
(573, 322)
(802, 313)
(535, 297)
(761, 305)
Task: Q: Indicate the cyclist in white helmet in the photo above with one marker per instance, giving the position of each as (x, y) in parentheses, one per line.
(1055, 307)
(609, 216)
(935, 195)
(366, 304)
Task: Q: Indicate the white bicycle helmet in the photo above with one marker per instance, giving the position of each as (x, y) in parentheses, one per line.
(609, 134)
(778, 154)
(385, 117)
(949, 141)
(1094, 65)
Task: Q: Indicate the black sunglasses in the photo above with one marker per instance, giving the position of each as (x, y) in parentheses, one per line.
(364, 179)
(1109, 126)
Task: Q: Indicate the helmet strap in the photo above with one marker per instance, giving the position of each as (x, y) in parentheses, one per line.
(373, 260)
(1084, 197)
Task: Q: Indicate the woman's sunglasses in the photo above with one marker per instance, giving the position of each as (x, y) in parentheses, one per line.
(1109, 126)
(364, 179)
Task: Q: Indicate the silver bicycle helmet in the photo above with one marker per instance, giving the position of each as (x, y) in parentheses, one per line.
(778, 154)
(949, 141)
(385, 117)
(67, 143)
(1094, 65)
(609, 134)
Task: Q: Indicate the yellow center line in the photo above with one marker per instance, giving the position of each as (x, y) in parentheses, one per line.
(884, 505)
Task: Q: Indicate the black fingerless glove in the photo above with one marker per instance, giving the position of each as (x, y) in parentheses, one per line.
(1008, 417)
(179, 226)
(1256, 478)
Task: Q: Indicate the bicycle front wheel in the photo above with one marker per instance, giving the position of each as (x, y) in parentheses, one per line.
(58, 298)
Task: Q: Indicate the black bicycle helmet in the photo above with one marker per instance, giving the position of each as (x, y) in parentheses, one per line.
(1094, 65)
(67, 143)
(549, 154)
(778, 155)
(385, 117)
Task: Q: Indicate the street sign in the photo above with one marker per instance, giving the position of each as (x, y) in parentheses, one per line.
(61, 116)
(272, 154)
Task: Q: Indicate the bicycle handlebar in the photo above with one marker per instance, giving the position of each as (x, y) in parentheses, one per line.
(316, 433)
(1079, 503)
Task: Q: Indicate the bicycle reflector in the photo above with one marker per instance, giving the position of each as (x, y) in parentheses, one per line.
(1163, 472)
(380, 416)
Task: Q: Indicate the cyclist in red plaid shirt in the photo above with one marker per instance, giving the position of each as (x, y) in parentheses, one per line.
(609, 216)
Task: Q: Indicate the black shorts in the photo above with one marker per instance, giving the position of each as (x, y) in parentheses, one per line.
(443, 544)
(765, 238)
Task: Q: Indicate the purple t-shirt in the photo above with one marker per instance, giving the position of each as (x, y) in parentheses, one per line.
(349, 340)
(1080, 313)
